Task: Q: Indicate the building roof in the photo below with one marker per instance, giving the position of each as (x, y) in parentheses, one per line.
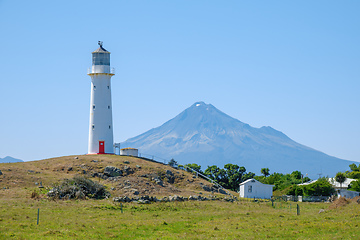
(129, 148)
(101, 50)
(253, 180)
(333, 182)
(345, 184)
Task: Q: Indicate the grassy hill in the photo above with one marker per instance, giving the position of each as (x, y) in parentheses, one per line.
(105, 219)
(20, 179)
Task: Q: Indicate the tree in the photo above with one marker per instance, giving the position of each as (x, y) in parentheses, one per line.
(354, 186)
(247, 176)
(296, 175)
(265, 172)
(234, 175)
(173, 163)
(354, 168)
(215, 173)
(340, 178)
(194, 166)
(319, 188)
(230, 177)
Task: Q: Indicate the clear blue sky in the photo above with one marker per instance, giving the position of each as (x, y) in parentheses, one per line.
(291, 65)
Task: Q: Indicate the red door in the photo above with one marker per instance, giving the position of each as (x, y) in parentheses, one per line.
(101, 146)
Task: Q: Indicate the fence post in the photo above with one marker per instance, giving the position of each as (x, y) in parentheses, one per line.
(37, 223)
(297, 209)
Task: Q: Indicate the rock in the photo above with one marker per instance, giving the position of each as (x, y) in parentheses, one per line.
(135, 191)
(1, 173)
(138, 166)
(193, 198)
(36, 183)
(83, 172)
(30, 171)
(128, 170)
(321, 211)
(76, 158)
(121, 199)
(111, 171)
(207, 188)
(94, 160)
(158, 181)
(112, 189)
(222, 191)
(141, 201)
(164, 199)
(126, 162)
(170, 177)
(176, 198)
(70, 169)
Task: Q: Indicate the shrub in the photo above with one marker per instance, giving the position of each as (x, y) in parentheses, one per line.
(319, 188)
(78, 188)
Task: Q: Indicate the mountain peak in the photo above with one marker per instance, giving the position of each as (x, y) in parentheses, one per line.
(204, 135)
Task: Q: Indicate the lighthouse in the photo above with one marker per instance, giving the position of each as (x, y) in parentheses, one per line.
(100, 127)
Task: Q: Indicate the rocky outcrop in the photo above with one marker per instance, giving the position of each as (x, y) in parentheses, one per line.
(175, 198)
(111, 171)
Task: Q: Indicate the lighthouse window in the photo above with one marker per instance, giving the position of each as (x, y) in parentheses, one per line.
(93, 107)
(94, 87)
(109, 126)
(108, 87)
(93, 127)
(108, 107)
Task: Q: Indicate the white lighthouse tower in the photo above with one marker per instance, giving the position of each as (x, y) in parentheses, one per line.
(100, 127)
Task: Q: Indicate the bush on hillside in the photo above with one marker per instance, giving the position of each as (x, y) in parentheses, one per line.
(78, 188)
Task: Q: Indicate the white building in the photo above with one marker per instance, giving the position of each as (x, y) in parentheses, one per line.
(252, 188)
(340, 189)
(100, 127)
(129, 152)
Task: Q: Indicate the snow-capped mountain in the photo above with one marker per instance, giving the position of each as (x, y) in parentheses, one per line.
(204, 135)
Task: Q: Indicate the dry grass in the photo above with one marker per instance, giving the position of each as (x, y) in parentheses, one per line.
(21, 178)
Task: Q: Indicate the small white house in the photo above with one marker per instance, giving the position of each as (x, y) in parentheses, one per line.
(129, 152)
(252, 188)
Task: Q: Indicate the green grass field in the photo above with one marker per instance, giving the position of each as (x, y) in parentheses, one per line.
(102, 219)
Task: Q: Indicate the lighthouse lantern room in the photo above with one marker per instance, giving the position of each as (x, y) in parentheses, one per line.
(100, 127)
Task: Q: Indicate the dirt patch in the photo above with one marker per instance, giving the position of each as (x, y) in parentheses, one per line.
(340, 202)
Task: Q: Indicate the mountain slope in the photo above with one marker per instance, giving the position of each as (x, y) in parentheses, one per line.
(204, 135)
(9, 159)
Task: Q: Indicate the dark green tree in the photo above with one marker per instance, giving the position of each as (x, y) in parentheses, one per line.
(354, 168)
(296, 175)
(193, 166)
(265, 172)
(340, 178)
(355, 186)
(247, 176)
(234, 174)
(215, 173)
